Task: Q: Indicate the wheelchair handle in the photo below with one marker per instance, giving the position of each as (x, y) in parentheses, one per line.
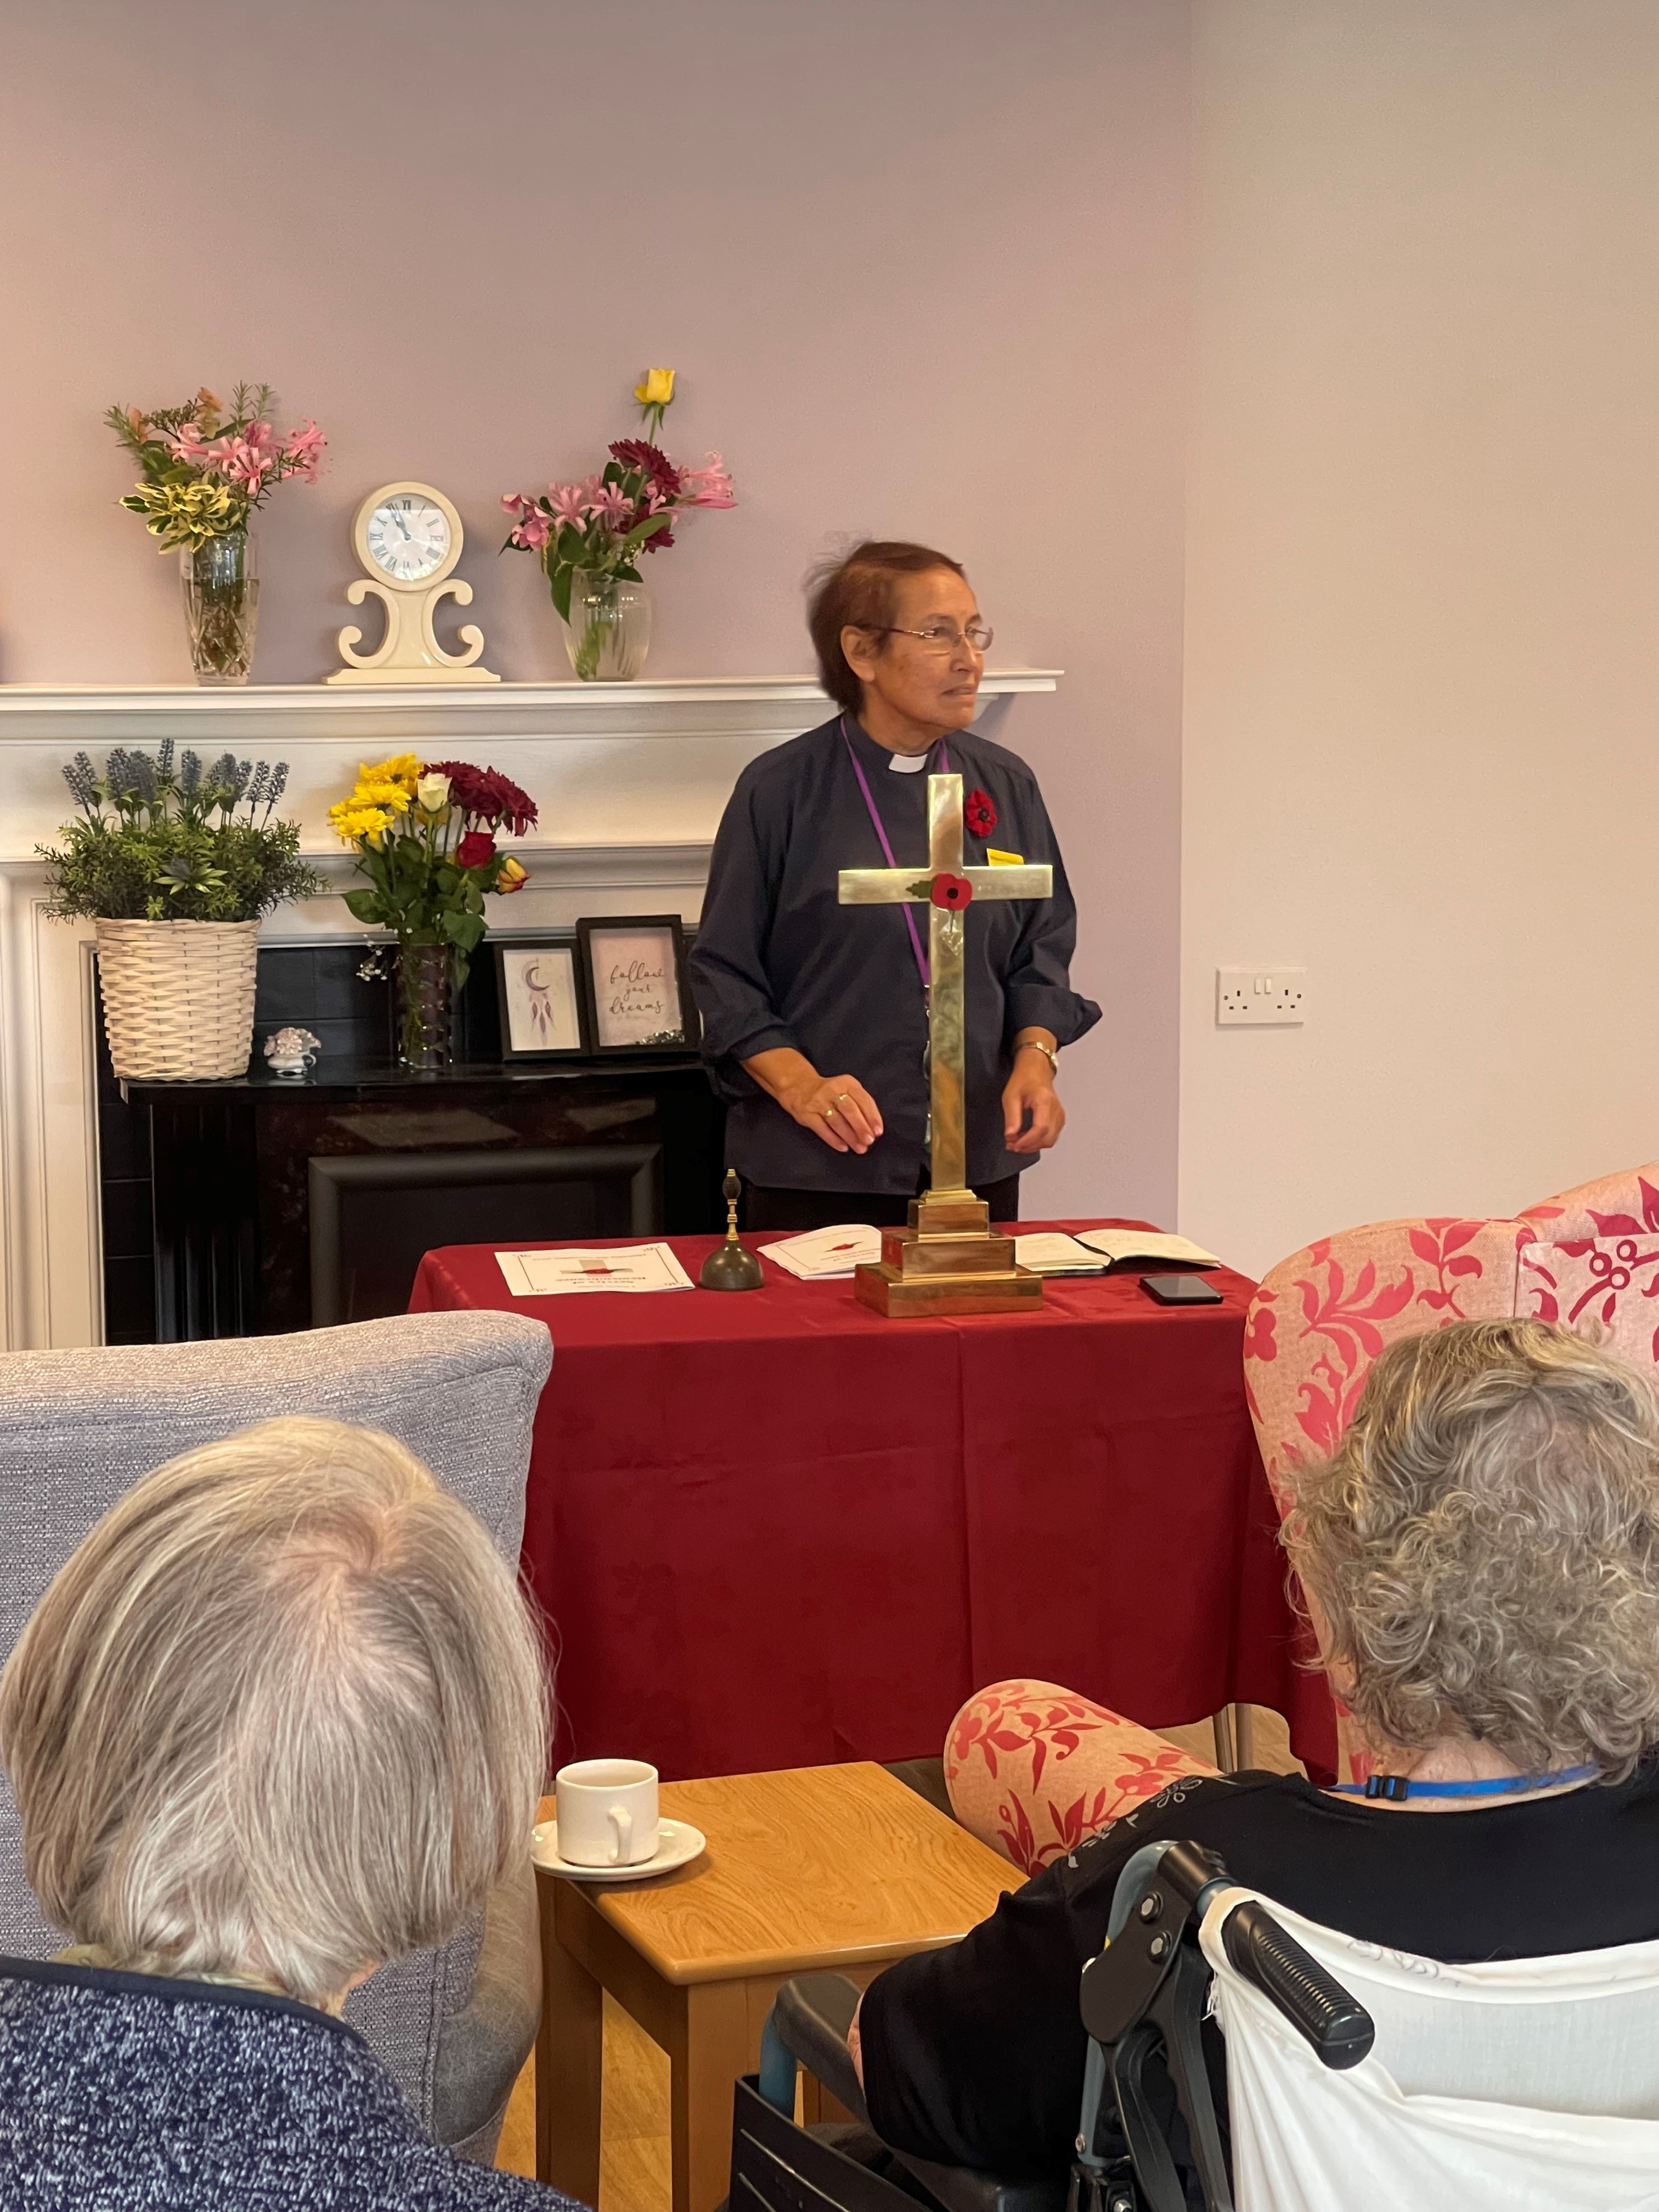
(1315, 2002)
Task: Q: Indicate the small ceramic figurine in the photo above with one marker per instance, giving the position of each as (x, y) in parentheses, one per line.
(291, 1052)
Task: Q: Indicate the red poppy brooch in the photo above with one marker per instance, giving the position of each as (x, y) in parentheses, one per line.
(979, 814)
(951, 892)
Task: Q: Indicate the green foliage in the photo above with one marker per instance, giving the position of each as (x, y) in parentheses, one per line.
(421, 895)
(151, 844)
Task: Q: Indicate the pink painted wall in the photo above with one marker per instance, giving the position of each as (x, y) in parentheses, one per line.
(921, 266)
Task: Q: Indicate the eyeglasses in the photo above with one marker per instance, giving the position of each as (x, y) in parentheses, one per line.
(944, 637)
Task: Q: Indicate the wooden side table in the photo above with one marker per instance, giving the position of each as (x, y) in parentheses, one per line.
(837, 1866)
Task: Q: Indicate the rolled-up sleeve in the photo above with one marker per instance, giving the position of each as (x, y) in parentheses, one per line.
(727, 962)
(1036, 988)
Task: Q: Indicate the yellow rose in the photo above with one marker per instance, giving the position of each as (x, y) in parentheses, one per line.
(511, 877)
(657, 389)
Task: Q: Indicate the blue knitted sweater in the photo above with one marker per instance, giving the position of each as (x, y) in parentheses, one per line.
(121, 2093)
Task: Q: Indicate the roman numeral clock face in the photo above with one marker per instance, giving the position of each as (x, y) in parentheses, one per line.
(408, 538)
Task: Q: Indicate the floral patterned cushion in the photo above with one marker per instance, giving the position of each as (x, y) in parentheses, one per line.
(1623, 1205)
(1032, 1769)
(1320, 1318)
(1589, 1258)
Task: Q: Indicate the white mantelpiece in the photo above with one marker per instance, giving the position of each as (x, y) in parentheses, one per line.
(630, 781)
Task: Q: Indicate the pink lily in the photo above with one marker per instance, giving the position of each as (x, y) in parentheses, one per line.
(612, 505)
(186, 443)
(568, 503)
(708, 486)
(246, 465)
(303, 450)
(534, 531)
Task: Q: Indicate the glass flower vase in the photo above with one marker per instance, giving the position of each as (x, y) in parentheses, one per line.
(425, 992)
(221, 582)
(608, 633)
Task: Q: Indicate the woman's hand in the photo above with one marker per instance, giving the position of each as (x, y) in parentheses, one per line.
(836, 1109)
(1030, 1091)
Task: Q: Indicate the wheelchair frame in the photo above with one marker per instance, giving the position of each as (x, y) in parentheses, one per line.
(1143, 2001)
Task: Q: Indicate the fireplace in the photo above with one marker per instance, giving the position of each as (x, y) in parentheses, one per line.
(372, 1216)
(260, 1205)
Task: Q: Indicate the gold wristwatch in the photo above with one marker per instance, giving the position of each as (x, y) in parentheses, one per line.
(1036, 1044)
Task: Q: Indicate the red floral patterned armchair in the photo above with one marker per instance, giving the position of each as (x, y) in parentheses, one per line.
(1589, 1258)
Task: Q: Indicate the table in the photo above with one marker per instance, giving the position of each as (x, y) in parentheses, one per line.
(838, 1867)
(773, 1529)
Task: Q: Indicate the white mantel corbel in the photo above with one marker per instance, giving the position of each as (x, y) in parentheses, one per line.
(630, 780)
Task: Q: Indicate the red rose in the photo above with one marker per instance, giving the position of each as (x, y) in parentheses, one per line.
(979, 814)
(475, 850)
(952, 893)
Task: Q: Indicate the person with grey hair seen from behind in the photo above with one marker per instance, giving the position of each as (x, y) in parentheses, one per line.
(279, 1720)
(1480, 1561)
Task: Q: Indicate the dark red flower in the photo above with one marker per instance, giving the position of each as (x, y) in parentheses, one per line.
(650, 460)
(477, 847)
(485, 795)
(953, 892)
(979, 814)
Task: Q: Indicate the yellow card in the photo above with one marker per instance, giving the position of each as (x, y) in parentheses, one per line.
(1004, 860)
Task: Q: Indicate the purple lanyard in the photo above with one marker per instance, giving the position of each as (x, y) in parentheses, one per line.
(887, 849)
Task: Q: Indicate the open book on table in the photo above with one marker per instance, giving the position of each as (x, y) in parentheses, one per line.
(1120, 1244)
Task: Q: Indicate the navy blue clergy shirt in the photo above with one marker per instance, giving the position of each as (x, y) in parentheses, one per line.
(779, 961)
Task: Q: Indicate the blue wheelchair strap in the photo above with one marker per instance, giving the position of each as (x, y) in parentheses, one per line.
(1140, 1872)
(777, 2071)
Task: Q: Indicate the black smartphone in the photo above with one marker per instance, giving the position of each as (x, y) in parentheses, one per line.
(1181, 1290)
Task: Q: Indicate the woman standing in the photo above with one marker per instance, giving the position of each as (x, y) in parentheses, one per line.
(815, 1015)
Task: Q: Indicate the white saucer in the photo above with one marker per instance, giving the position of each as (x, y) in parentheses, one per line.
(677, 1844)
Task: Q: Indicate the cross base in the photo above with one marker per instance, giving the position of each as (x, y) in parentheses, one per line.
(949, 1261)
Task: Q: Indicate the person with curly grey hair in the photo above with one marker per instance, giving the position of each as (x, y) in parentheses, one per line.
(279, 1720)
(1480, 1561)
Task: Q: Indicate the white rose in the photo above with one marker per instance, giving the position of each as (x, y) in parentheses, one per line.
(432, 792)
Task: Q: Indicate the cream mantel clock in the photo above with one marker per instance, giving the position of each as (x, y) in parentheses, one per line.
(408, 538)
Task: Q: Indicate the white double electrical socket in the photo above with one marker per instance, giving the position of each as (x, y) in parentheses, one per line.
(1265, 997)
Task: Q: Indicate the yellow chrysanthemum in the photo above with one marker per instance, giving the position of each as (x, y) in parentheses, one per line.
(379, 791)
(402, 768)
(353, 822)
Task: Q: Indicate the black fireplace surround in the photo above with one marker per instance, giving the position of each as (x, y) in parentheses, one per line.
(260, 1204)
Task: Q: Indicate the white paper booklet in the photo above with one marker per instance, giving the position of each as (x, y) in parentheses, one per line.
(822, 1255)
(629, 1268)
(1048, 1252)
(1146, 1244)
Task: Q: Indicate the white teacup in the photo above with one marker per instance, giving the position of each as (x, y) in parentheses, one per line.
(607, 1812)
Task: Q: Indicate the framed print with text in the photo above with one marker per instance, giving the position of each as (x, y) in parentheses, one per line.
(540, 1000)
(633, 977)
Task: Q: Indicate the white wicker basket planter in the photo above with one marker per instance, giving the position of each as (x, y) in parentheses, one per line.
(178, 996)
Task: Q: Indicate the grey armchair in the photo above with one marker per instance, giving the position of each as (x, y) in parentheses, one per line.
(78, 1428)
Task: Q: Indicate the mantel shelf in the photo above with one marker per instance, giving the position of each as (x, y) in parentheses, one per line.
(299, 712)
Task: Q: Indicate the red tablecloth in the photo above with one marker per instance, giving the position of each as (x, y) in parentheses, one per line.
(774, 1529)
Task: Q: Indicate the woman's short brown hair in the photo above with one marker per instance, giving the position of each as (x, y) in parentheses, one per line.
(1484, 1546)
(855, 592)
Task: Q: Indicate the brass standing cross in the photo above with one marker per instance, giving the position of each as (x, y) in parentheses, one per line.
(947, 1262)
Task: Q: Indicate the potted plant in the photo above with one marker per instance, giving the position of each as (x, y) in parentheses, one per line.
(424, 837)
(205, 469)
(177, 865)
(589, 536)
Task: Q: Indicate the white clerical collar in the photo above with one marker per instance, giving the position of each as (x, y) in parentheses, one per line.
(907, 764)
